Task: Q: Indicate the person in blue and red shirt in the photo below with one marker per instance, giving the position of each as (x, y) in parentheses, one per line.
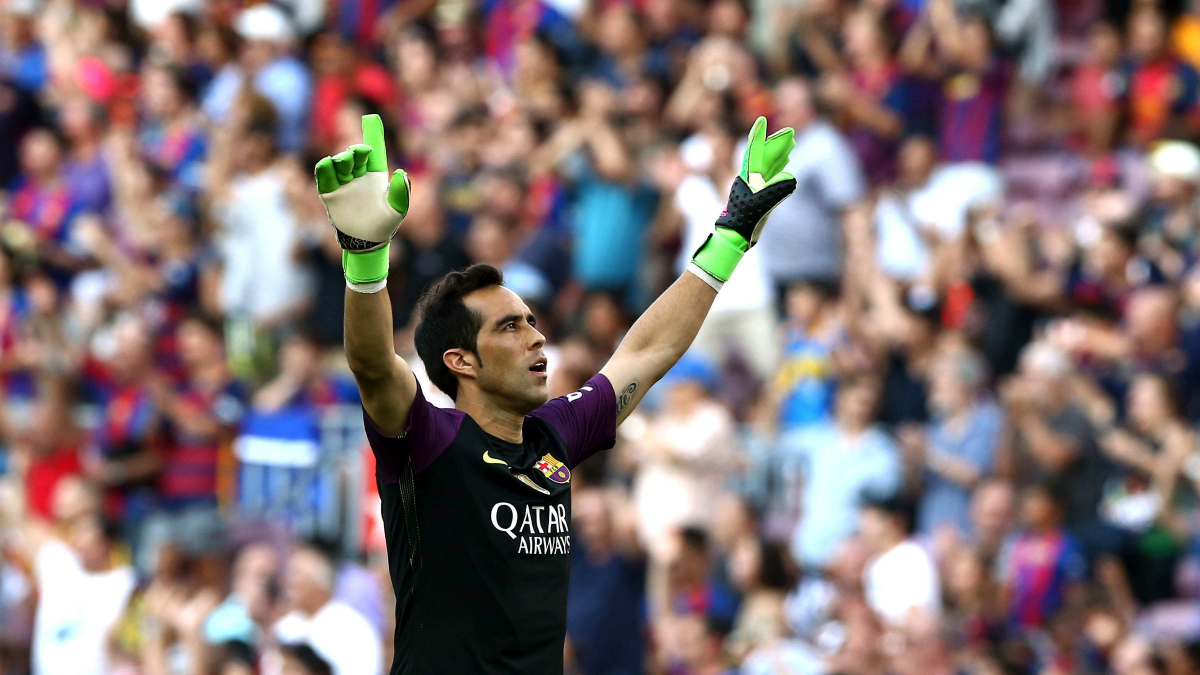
(40, 198)
(1161, 92)
(171, 135)
(974, 80)
(1043, 562)
(201, 416)
(125, 444)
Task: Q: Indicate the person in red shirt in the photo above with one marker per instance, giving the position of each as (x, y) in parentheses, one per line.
(1096, 88)
(342, 74)
(52, 444)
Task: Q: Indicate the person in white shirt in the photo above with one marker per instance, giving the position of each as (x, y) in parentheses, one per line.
(338, 633)
(900, 579)
(82, 593)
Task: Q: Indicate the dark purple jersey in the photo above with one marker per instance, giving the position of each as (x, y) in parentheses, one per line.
(478, 533)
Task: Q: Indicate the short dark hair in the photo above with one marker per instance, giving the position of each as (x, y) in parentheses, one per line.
(897, 505)
(313, 663)
(446, 323)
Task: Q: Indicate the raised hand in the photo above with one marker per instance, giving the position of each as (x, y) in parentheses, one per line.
(758, 188)
(363, 205)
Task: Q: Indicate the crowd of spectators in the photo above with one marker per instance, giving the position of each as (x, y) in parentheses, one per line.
(941, 421)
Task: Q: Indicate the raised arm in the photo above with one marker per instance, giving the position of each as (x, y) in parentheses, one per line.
(666, 330)
(366, 209)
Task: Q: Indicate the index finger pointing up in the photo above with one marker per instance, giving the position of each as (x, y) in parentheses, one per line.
(372, 127)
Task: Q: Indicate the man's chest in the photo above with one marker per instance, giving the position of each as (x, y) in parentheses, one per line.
(503, 498)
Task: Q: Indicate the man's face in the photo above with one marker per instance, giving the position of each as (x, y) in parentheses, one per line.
(509, 364)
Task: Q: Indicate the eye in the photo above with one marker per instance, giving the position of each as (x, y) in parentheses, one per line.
(511, 324)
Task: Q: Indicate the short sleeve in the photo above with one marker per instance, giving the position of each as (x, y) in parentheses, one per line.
(585, 419)
(430, 431)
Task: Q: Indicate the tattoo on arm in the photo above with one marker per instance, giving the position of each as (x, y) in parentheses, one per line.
(626, 397)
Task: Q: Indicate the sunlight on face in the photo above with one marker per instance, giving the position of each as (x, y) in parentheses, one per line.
(511, 367)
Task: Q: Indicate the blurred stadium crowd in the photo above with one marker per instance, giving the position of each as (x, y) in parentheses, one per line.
(943, 421)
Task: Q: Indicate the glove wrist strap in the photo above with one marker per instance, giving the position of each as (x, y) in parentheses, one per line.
(366, 272)
(718, 256)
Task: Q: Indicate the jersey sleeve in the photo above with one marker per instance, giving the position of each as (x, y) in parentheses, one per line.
(430, 431)
(585, 419)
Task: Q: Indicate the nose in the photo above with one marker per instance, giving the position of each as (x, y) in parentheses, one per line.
(538, 339)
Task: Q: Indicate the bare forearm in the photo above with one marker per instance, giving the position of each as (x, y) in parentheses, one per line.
(657, 340)
(368, 332)
(385, 381)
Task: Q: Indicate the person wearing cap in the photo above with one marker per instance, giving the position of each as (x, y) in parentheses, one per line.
(273, 71)
(1173, 217)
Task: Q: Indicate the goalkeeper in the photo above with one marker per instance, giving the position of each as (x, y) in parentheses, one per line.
(476, 499)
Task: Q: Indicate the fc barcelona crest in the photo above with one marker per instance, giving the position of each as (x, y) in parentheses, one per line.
(555, 470)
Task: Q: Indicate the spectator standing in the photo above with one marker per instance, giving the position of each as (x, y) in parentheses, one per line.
(1044, 562)
(273, 72)
(841, 461)
(1051, 437)
(606, 602)
(201, 414)
(960, 448)
(684, 456)
(900, 580)
(82, 593)
(803, 241)
(333, 630)
(261, 282)
(611, 208)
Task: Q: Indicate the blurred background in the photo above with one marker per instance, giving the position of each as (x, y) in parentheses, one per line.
(942, 421)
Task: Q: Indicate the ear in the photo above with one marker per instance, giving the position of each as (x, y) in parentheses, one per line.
(460, 362)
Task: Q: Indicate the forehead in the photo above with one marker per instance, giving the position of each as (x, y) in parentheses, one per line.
(494, 303)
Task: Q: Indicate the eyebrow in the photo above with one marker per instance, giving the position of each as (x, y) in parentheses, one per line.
(515, 317)
(504, 321)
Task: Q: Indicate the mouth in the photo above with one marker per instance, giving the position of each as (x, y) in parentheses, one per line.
(539, 367)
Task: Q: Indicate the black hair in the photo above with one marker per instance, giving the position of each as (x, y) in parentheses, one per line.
(717, 626)
(774, 568)
(446, 323)
(208, 322)
(308, 657)
(1053, 488)
(829, 290)
(899, 506)
(696, 539)
(237, 651)
(1127, 232)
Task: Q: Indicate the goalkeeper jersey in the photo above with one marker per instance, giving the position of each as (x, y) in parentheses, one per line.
(478, 533)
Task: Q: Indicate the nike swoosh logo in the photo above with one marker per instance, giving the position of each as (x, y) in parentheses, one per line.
(492, 460)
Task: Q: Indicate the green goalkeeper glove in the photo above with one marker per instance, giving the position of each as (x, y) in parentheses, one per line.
(364, 206)
(758, 188)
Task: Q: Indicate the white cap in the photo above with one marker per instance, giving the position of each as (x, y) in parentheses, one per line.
(1177, 159)
(264, 22)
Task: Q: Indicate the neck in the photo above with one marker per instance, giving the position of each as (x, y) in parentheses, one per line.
(890, 543)
(495, 420)
(313, 605)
